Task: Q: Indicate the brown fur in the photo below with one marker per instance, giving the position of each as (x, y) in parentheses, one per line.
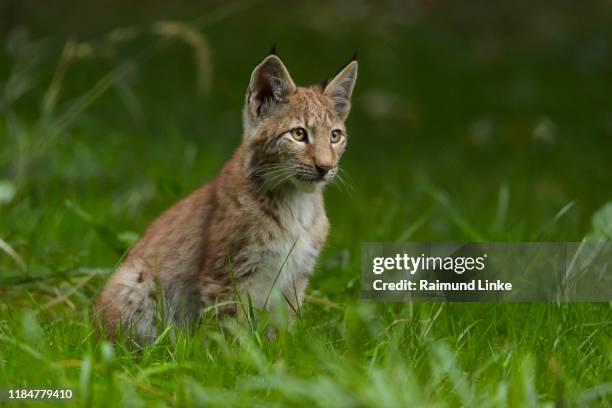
(265, 201)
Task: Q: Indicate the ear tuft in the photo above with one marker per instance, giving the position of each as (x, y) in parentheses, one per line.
(354, 57)
(273, 50)
(340, 88)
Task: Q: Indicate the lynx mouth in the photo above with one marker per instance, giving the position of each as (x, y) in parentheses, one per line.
(309, 179)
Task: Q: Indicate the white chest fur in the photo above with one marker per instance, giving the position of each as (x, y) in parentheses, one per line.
(288, 256)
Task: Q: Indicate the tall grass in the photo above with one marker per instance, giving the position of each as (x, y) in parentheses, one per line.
(90, 152)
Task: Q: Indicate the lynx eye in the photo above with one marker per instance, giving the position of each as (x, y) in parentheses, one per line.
(335, 136)
(299, 134)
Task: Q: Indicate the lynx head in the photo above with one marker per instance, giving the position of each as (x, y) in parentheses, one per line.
(295, 135)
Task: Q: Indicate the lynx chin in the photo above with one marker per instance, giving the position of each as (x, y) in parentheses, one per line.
(263, 213)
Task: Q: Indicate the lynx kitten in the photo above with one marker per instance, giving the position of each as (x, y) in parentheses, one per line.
(262, 218)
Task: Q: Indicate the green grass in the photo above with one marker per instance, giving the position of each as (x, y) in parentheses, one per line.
(488, 133)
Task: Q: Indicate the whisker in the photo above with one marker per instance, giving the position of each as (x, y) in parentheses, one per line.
(338, 181)
(269, 170)
(341, 182)
(275, 165)
(282, 180)
(346, 178)
(276, 175)
(273, 172)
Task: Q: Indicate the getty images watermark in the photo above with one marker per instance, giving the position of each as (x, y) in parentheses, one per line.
(519, 272)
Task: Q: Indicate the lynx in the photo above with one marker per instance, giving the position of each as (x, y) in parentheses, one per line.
(259, 223)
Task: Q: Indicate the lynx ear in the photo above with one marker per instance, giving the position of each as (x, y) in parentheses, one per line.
(270, 85)
(340, 88)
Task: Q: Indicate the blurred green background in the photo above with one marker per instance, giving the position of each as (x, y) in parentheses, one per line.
(471, 121)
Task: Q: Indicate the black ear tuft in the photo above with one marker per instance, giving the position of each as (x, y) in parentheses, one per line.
(273, 50)
(325, 82)
(340, 88)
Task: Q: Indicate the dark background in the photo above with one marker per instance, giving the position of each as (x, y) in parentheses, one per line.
(471, 121)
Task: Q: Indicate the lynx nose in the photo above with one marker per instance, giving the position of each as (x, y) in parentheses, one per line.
(323, 169)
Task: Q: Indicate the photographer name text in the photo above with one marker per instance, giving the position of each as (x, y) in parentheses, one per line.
(413, 264)
(426, 285)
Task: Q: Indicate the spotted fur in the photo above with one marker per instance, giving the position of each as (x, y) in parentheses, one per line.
(260, 220)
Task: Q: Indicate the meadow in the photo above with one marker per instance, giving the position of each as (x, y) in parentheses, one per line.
(486, 124)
